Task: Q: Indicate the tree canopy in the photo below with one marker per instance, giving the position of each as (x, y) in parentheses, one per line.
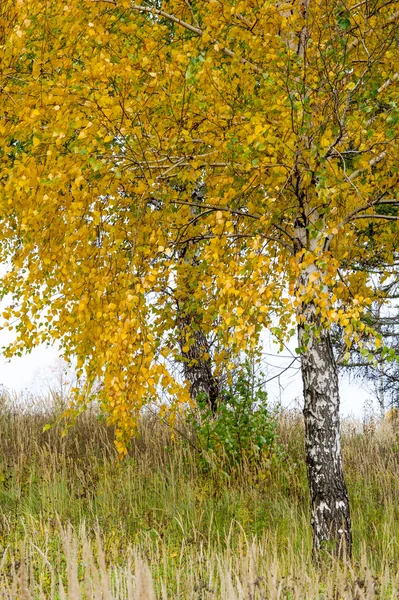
(113, 113)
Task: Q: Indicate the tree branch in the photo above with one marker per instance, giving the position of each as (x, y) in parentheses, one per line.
(378, 202)
(216, 207)
(386, 217)
(200, 32)
(199, 238)
(162, 13)
(372, 162)
(388, 82)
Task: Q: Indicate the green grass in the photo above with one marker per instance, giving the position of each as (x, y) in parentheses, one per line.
(203, 534)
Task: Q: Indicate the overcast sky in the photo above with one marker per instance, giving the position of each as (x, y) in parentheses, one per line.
(38, 371)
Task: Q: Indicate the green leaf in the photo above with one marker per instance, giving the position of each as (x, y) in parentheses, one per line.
(344, 23)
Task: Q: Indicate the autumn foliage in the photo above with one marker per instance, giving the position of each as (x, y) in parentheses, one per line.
(112, 116)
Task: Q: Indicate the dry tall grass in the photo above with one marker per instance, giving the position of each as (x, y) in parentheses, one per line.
(76, 523)
(250, 571)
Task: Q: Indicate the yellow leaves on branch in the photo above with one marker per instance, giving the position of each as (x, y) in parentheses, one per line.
(233, 162)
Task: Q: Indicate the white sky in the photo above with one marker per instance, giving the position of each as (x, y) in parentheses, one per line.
(286, 387)
(39, 370)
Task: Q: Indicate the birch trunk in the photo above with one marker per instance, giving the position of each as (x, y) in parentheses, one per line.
(331, 521)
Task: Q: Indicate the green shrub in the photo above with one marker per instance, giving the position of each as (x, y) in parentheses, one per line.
(243, 428)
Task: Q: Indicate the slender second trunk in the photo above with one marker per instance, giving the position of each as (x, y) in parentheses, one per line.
(198, 365)
(329, 497)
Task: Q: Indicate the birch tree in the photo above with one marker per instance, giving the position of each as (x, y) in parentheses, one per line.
(288, 114)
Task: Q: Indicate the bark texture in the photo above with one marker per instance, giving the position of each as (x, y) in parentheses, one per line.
(331, 521)
(197, 365)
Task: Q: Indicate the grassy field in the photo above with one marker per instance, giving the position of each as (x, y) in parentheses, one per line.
(75, 522)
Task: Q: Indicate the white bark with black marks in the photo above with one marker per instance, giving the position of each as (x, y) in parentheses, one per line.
(329, 497)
